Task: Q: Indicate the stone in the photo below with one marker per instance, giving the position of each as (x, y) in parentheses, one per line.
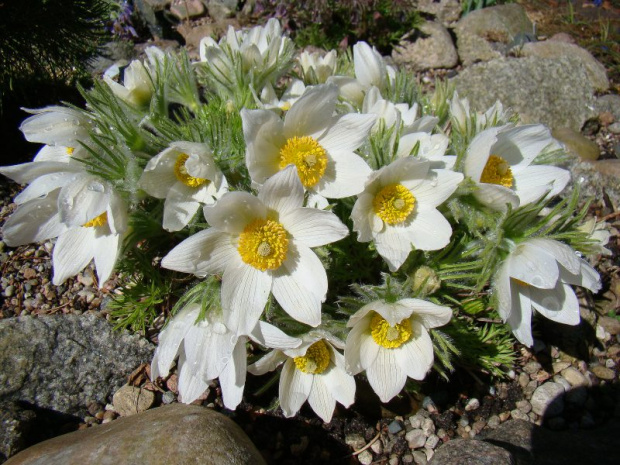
(66, 362)
(602, 372)
(472, 404)
(432, 49)
(614, 128)
(559, 366)
(611, 325)
(547, 399)
(187, 9)
(555, 49)
(488, 33)
(608, 103)
(446, 12)
(129, 400)
(221, 9)
(577, 144)
(415, 438)
(575, 377)
(419, 457)
(552, 92)
(170, 435)
(365, 458)
(470, 452)
(16, 427)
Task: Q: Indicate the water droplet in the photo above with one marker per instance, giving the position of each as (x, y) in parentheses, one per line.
(538, 281)
(219, 328)
(96, 187)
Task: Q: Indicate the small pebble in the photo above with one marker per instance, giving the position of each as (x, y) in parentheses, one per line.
(407, 458)
(609, 363)
(602, 372)
(9, 291)
(614, 128)
(395, 427)
(365, 458)
(415, 438)
(472, 404)
(532, 367)
(432, 441)
(420, 458)
(168, 397)
(493, 421)
(524, 406)
(428, 426)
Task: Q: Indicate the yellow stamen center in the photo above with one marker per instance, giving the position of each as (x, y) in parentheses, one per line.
(497, 171)
(286, 106)
(316, 359)
(308, 156)
(70, 150)
(97, 221)
(393, 203)
(182, 175)
(388, 336)
(263, 244)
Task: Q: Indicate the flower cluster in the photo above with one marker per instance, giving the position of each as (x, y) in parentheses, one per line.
(333, 215)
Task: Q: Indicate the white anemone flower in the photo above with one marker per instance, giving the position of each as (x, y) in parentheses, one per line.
(600, 233)
(429, 146)
(391, 342)
(261, 245)
(537, 276)
(398, 209)
(207, 349)
(370, 70)
(313, 372)
(270, 101)
(316, 68)
(467, 121)
(57, 126)
(137, 87)
(320, 145)
(499, 160)
(186, 175)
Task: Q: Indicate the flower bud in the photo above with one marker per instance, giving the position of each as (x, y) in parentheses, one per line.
(425, 281)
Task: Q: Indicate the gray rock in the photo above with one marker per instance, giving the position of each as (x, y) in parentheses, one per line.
(446, 11)
(434, 49)
(148, 11)
(471, 452)
(415, 438)
(556, 93)
(129, 400)
(575, 377)
(547, 399)
(66, 362)
(170, 435)
(610, 103)
(16, 425)
(555, 49)
(221, 9)
(598, 179)
(489, 33)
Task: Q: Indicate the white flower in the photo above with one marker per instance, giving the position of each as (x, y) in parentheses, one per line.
(537, 276)
(57, 126)
(313, 372)
(598, 232)
(370, 70)
(391, 342)
(467, 121)
(398, 209)
(499, 160)
(319, 144)
(316, 69)
(207, 349)
(137, 88)
(261, 245)
(270, 101)
(186, 175)
(429, 146)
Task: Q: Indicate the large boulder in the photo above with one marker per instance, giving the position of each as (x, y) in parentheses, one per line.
(555, 92)
(490, 33)
(66, 362)
(175, 434)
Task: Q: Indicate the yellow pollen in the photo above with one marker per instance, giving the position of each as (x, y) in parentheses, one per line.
(182, 175)
(497, 171)
(97, 221)
(308, 156)
(263, 244)
(388, 336)
(70, 150)
(316, 359)
(394, 203)
(286, 106)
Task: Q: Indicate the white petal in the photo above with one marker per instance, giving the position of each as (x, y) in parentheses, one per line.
(294, 388)
(234, 211)
(232, 378)
(345, 176)
(352, 350)
(440, 185)
(245, 291)
(273, 337)
(263, 134)
(535, 182)
(415, 357)
(502, 289)
(283, 192)
(300, 285)
(429, 230)
(495, 196)
(45, 184)
(478, 153)
(348, 132)
(559, 304)
(534, 266)
(350, 88)
(207, 251)
(587, 277)
(321, 399)
(83, 200)
(394, 245)
(269, 362)
(369, 65)
(520, 319)
(179, 208)
(411, 172)
(191, 387)
(158, 176)
(431, 315)
(105, 249)
(362, 216)
(72, 252)
(34, 221)
(520, 145)
(313, 228)
(563, 253)
(312, 112)
(339, 382)
(385, 375)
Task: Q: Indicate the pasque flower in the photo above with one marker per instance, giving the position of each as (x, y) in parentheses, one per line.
(261, 245)
(499, 160)
(398, 209)
(186, 175)
(537, 276)
(312, 372)
(320, 145)
(391, 342)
